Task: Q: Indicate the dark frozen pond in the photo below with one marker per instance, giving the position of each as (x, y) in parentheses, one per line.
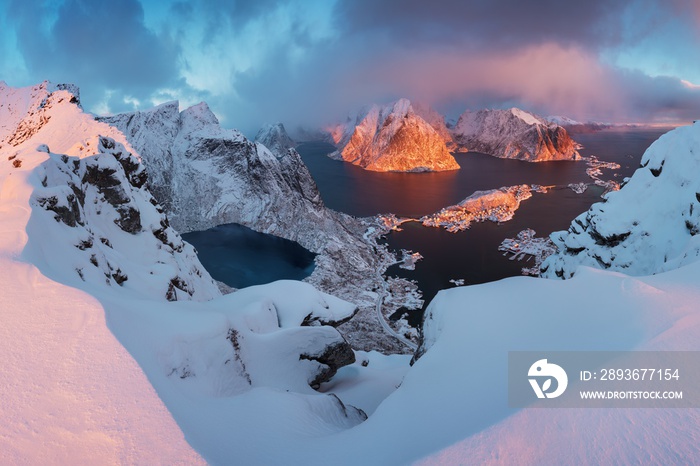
(240, 257)
(471, 255)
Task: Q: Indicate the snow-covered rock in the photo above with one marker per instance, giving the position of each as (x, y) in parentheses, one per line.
(392, 138)
(275, 138)
(259, 337)
(315, 309)
(514, 134)
(91, 197)
(105, 227)
(650, 225)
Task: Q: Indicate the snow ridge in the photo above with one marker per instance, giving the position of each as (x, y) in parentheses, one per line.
(575, 126)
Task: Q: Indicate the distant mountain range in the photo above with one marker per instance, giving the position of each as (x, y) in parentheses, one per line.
(574, 126)
(407, 137)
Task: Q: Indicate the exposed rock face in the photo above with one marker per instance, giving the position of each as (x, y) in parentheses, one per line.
(331, 358)
(437, 121)
(392, 138)
(514, 134)
(275, 138)
(649, 226)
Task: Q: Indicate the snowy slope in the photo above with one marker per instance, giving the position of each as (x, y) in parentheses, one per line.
(649, 226)
(514, 134)
(651, 313)
(70, 392)
(452, 403)
(392, 138)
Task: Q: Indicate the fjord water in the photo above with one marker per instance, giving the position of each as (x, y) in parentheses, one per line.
(240, 257)
(471, 255)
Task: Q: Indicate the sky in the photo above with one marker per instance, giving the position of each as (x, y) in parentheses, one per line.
(311, 62)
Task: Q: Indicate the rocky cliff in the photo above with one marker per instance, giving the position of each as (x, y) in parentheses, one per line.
(392, 138)
(514, 134)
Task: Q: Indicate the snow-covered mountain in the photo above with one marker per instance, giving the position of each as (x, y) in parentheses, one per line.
(92, 200)
(75, 204)
(392, 138)
(107, 228)
(275, 138)
(514, 134)
(650, 225)
(575, 126)
(206, 176)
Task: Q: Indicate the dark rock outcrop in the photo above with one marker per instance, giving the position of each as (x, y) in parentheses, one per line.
(332, 358)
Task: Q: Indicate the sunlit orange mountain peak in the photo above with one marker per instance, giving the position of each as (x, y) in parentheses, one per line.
(392, 138)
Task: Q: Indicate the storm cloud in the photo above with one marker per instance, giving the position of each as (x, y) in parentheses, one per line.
(307, 63)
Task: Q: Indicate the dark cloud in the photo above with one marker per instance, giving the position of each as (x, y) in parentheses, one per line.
(484, 23)
(264, 60)
(96, 44)
(221, 14)
(659, 98)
